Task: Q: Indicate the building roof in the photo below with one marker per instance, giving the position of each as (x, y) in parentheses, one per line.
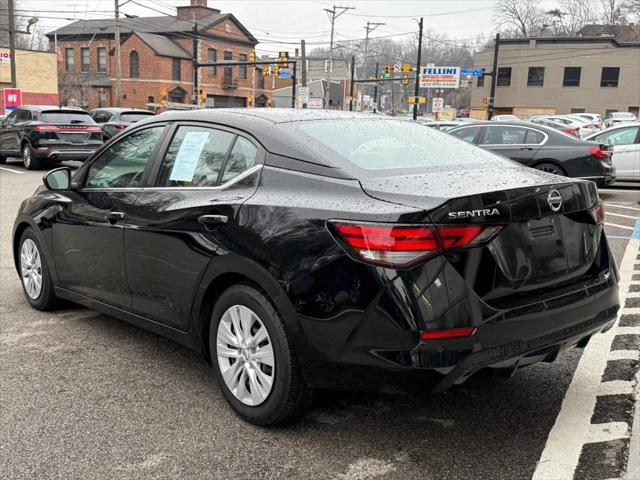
(571, 39)
(161, 25)
(163, 46)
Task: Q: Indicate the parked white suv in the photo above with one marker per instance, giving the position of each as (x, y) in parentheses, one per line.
(616, 118)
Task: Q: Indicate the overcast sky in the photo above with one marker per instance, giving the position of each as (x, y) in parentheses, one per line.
(289, 21)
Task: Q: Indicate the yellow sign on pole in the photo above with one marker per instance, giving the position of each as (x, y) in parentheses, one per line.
(406, 68)
(419, 100)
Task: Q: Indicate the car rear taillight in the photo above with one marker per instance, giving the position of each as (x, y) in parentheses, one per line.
(94, 128)
(600, 153)
(571, 131)
(599, 211)
(447, 333)
(46, 128)
(401, 246)
(119, 126)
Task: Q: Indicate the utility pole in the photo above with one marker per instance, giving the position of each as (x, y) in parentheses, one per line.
(118, 62)
(371, 26)
(333, 14)
(494, 78)
(375, 92)
(416, 89)
(194, 55)
(353, 68)
(303, 60)
(12, 44)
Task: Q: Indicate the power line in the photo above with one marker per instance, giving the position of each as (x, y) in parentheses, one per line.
(455, 12)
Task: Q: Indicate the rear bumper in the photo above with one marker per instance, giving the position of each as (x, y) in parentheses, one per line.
(64, 153)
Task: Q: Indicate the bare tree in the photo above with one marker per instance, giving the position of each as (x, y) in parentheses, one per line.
(612, 15)
(520, 17)
(578, 13)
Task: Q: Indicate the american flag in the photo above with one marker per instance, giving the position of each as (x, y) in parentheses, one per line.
(59, 54)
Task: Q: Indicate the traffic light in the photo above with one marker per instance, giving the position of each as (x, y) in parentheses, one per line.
(265, 70)
(276, 71)
(387, 71)
(380, 80)
(406, 68)
(405, 79)
(203, 96)
(252, 56)
(283, 57)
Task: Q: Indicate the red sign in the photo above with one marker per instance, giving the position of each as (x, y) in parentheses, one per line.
(12, 99)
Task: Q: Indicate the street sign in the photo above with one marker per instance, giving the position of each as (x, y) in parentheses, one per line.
(440, 77)
(396, 68)
(303, 94)
(314, 103)
(12, 99)
(5, 57)
(472, 72)
(406, 68)
(285, 72)
(413, 100)
(438, 104)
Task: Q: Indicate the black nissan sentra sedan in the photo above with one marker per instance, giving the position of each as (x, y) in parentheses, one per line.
(300, 250)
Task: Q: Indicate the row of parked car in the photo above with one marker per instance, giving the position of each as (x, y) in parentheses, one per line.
(602, 151)
(42, 135)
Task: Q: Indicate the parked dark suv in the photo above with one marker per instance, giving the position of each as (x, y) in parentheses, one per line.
(114, 120)
(45, 134)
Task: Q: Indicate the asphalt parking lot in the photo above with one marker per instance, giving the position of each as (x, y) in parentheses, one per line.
(83, 395)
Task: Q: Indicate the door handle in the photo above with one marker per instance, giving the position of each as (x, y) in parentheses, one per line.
(212, 220)
(526, 148)
(113, 217)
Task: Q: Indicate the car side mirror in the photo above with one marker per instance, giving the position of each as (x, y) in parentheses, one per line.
(58, 179)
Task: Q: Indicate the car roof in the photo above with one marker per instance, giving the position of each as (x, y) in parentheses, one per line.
(121, 109)
(39, 108)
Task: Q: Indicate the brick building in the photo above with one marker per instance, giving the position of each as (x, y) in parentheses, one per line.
(156, 55)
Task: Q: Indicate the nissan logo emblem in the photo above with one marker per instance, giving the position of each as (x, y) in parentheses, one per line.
(554, 199)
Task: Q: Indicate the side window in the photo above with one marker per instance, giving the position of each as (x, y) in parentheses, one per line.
(534, 137)
(504, 135)
(23, 115)
(622, 136)
(243, 157)
(467, 134)
(122, 164)
(195, 157)
(11, 119)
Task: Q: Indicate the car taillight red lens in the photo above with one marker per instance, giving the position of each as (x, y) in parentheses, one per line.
(447, 333)
(46, 128)
(600, 212)
(94, 128)
(401, 246)
(600, 153)
(570, 131)
(120, 127)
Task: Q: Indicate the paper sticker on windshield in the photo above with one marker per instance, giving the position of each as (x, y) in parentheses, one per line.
(187, 159)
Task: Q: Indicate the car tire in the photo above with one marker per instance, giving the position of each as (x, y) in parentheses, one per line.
(246, 389)
(3, 159)
(33, 269)
(29, 160)
(551, 168)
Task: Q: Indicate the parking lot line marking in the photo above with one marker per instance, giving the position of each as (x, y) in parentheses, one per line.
(622, 215)
(616, 387)
(11, 170)
(561, 453)
(628, 331)
(622, 206)
(633, 462)
(618, 226)
(624, 355)
(605, 432)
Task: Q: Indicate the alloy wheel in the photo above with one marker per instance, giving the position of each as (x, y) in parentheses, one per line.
(550, 169)
(31, 268)
(245, 355)
(26, 156)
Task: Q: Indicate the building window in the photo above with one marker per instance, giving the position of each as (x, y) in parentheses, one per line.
(69, 60)
(610, 76)
(85, 59)
(480, 81)
(535, 78)
(212, 57)
(134, 65)
(578, 110)
(571, 76)
(102, 59)
(175, 68)
(228, 79)
(177, 95)
(151, 99)
(260, 78)
(504, 76)
(243, 68)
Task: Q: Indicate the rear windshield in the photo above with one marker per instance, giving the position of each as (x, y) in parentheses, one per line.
(65, 117)
(134, 116)
(382, 144)
(624, 115)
